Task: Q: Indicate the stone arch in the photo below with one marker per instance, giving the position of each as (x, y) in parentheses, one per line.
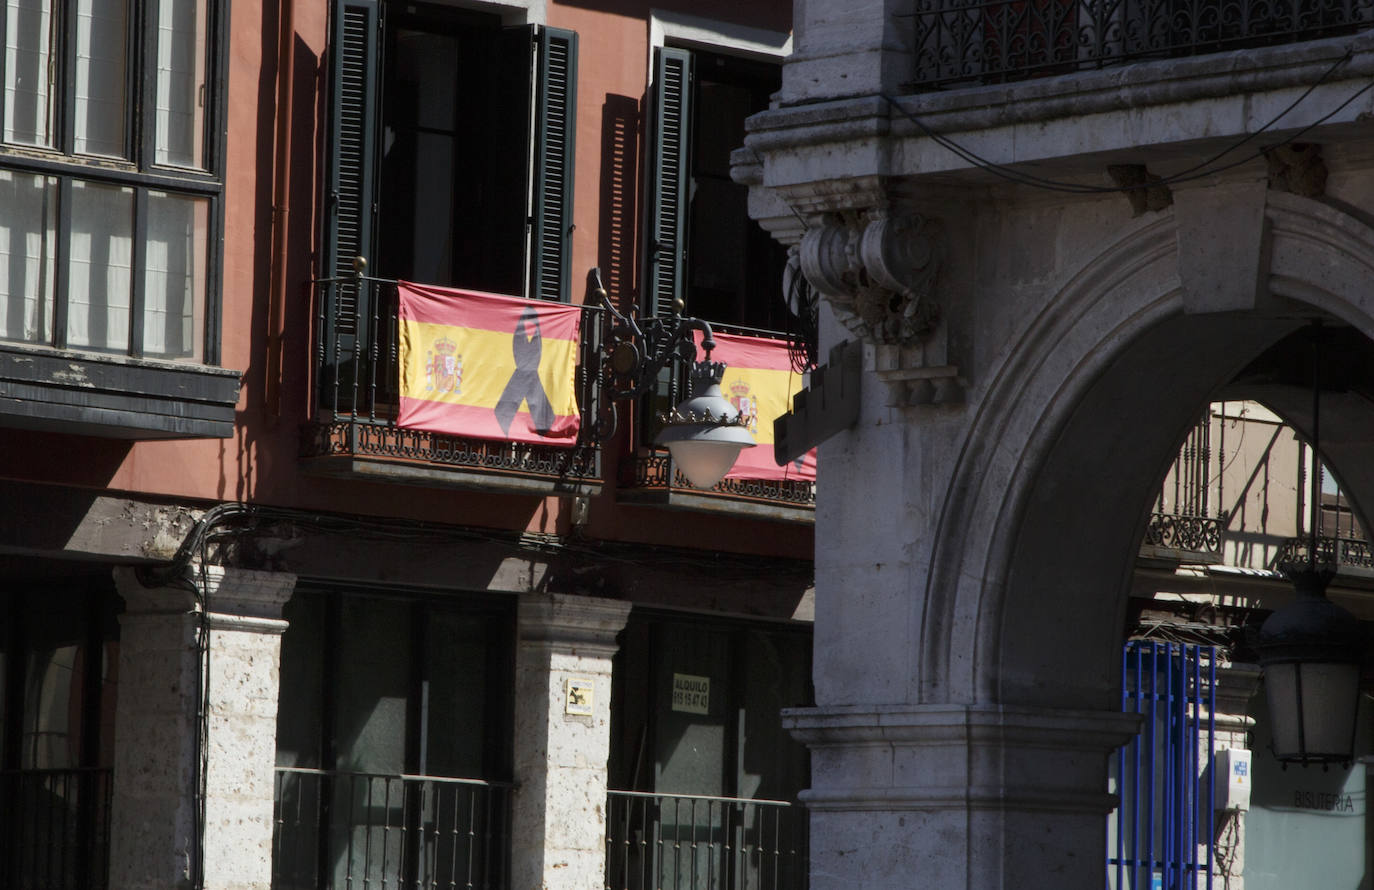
(1025, 598)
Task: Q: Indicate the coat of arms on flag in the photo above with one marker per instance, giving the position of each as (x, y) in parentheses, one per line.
(443, 367)
(488, 366)
(760, 381)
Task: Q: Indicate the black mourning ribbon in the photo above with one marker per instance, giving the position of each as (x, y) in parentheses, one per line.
(524, 385)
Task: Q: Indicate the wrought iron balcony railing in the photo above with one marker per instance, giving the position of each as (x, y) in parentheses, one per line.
(342, 829)
(1183, 534)
(961, 42)
(651, 478)
(695, 842)
(357, 385)
(1347, 552)
(55, 829)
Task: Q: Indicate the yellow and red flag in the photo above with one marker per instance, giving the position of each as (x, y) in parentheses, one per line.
(760, 381)
(487, 366)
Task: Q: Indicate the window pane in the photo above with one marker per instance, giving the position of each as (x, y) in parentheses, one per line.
(101, 29)
(99, 268)
(27, 239)
(174, 291)
(373, 687)
(53, 684)
(180, 82)
(456, 659)
(30, 36)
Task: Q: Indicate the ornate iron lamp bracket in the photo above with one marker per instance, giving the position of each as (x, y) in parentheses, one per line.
(636, 350)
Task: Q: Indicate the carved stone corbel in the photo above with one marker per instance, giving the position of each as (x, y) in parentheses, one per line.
(880, 271)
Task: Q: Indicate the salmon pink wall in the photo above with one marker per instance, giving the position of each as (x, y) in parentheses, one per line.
(259, 463)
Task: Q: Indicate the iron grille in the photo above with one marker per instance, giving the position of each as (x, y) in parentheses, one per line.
(1197, 534)
(55, 828)
(655, 471)
(957, 41)
(349, 830)
(1332, 551)
(1161, 832)
(697, 842)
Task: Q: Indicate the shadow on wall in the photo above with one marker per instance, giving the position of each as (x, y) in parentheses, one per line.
(620, 120)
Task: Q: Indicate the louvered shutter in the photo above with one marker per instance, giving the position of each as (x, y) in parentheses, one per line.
(665, 262)
(555, 127)
(350, 191)
(352, 134)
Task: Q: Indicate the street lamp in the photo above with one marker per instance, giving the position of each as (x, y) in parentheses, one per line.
(1310, 650)
(704, 434)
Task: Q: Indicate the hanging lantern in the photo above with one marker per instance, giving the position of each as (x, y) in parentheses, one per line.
(1310, 651)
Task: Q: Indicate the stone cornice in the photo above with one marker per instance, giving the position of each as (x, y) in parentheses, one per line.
(576, 624)
(960, 797)
(1010, 758)
(922, 725)
(1141, 84)
(1064, 101)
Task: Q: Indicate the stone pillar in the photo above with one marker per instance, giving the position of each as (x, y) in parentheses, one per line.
(562, 740)
(855, 48)
(961, 797)
(154, 821)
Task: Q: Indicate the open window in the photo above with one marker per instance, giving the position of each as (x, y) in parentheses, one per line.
(450, 152)
(702, 247)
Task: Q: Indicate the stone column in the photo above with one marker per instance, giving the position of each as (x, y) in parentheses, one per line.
(154, 820)
(855, 48)
(562, 740)
(961, 797)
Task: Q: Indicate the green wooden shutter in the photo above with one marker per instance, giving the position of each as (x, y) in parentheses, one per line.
(351, 162)
(354, 96)
(555, 127)
(349, 202)
(666, 244)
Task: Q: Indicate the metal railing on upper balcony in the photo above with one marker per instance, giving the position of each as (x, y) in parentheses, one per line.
(358, 830)
(959, 42)
(655, 471)
(1338, 552)
(699, 842)
(1185, 521)
(356, 359)
(55, 829)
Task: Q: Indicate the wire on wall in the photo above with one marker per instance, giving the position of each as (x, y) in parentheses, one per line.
(1197, 171)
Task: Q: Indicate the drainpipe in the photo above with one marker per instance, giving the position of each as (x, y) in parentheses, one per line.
(281, 192)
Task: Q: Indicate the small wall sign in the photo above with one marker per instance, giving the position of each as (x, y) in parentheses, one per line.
(691, 694)
(578, 698)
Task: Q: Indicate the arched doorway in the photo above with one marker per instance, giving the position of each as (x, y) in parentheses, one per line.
(966, 706)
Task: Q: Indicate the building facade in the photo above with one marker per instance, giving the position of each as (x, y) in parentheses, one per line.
(1057, 231)
(258, 632)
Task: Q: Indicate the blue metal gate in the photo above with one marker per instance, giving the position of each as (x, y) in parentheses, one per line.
(1160, 837)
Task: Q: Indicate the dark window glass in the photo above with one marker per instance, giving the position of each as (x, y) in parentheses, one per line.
(734, 268)
(58, 684)
(452, 202)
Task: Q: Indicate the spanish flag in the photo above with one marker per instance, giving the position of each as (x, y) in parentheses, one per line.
(487, 366)
(760, 382)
